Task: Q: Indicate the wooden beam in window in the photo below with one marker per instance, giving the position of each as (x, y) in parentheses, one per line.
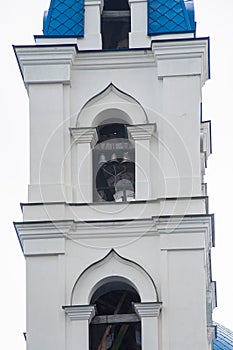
(111, 319)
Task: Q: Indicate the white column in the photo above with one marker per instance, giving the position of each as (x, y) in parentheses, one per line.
(149, 313)
(138, 36)
(92, 36)
(85, 139)
(142, 134)
(80, 317)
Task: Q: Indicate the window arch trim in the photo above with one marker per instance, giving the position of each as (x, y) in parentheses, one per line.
(108, 269)
(111, 97)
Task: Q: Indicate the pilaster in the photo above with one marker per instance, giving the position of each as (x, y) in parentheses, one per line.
(84, 140)
(142, 135)
(149, 313)
(80, 317)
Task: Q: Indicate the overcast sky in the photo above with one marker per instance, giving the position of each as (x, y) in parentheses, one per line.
(20, 20)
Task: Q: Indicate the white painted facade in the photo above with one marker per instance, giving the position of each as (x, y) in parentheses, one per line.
(159, 243)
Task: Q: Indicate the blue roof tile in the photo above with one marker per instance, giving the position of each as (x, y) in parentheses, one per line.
(170, 16)
(64, 18)
(224, 340)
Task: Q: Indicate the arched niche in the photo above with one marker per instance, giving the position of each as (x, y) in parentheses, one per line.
(111, 104)
(113, 268)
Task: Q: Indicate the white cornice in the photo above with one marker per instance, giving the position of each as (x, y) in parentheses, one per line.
(39, 230)
(127, 228)
(84, 135)
(147, 309)
(118, 211)
(73, 230)
(93, 60)
(45, 63)
(141, 132)
(80, 312)
(182, 57)
(200, 226)
(177, 233)
(43, 238)
(182, 224)
(151, 226)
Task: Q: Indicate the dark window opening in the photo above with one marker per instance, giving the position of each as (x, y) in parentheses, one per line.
(113, 164)
(116, 5)
(115, 24)
(115, 326)
(111, 131)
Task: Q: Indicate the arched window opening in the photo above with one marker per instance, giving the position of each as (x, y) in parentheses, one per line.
(115, 326)
(115, 24)
(114, 167)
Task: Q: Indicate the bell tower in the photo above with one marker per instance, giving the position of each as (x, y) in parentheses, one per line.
(116, 232)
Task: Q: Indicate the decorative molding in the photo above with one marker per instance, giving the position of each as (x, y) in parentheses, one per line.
(84, 135)
(135, 58)
(113, 267)
(142, 131)
(80, 312)
(77, 229)
(39, 230)
(137, 210)
(184, 224)
(187, 225)
(188, 57)
(46, 63)
(125, 228)
(176, 233)
(147, 309)
(108, 98)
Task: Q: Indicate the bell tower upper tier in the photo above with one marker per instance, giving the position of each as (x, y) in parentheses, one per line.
(116, 24)
(114, 93)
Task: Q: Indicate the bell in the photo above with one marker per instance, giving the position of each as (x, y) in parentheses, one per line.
(102, 159)
(126, 157)
(124, 191)
(114, 158)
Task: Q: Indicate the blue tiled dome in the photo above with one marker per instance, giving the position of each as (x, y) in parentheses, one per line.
(224, 340)
(66, 17)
